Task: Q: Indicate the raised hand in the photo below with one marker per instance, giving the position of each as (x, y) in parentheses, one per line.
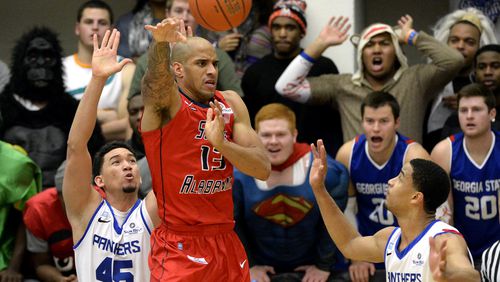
(186, 32)
(214, 127)
(169, 30)
(437, 260)
(104, 62)
(319, 166)
(335, 32)
(406, 24)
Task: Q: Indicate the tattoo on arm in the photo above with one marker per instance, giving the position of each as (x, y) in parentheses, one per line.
(158, 79)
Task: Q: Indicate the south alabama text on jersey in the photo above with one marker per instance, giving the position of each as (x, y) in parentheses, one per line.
(191, 186)
(111, 252)
(412, 263)
(191, 179)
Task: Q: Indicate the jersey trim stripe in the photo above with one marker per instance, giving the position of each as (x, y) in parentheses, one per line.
(206, 106)
(88, 225)
(163, 189)
(146, 223)
(449, 231)
(408, 248)
(118, 228)
(387, 243)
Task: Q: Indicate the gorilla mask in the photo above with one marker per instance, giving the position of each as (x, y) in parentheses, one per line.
(37, 71)
(39, 62)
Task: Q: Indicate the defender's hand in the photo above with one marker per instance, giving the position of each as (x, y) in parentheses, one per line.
(104, 62)
(169, 30)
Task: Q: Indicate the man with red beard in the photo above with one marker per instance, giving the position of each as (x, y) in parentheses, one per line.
(382, 66)
(278, 219)
(472, 159)
(373, 158)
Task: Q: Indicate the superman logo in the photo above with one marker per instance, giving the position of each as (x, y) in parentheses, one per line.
(283, 209)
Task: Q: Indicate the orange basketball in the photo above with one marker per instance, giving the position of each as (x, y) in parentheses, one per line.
(220, 15)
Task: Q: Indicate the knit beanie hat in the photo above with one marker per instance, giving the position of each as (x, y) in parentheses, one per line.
(294, 9)
(366, 35)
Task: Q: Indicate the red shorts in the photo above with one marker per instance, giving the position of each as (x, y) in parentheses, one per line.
(212, 253)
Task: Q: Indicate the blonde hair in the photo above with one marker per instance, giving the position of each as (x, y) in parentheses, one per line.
(275, 111)
(469, 15)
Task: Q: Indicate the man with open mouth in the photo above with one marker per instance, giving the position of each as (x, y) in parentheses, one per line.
(381, 66)
(373, 158)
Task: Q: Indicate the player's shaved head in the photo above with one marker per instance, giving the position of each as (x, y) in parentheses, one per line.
(183, 50)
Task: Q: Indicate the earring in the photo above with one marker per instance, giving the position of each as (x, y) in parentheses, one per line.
(493, 120)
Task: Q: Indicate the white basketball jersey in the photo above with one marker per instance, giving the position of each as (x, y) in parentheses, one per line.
(110, 252)
(77, 77)
(412, 263)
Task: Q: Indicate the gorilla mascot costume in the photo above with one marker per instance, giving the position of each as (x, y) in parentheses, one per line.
(37, 112)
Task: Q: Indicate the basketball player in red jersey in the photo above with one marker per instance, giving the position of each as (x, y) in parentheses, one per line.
(193, 135)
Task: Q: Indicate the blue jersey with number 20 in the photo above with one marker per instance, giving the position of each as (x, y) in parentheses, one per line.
(475, 194)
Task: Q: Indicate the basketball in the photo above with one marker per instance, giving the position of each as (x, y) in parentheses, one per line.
(220, 15)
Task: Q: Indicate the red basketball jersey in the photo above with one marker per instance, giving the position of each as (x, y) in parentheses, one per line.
(192, 181)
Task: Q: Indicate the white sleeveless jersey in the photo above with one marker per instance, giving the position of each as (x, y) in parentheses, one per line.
(109, 252)
(412, 263)
(77, 77)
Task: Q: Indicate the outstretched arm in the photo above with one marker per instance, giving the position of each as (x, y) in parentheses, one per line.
(449, 260)
(292, 83)
(334, 33)
(345, 236)
(405, 36)
(78, 194)
(246, 152)
(159, 89)
(446, 61)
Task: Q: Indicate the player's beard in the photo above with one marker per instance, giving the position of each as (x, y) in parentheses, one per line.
(129, 189)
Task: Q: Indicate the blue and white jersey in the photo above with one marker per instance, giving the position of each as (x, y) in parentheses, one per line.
(475, 198)
(110, 252)
(371, 182)
(412, 263)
